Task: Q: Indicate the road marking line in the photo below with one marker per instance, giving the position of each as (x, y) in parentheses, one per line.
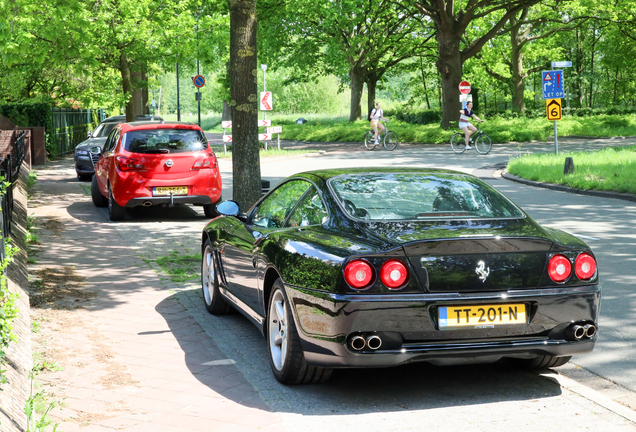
(219, 362)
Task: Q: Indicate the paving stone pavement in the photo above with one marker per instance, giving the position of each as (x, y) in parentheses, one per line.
(133, 347)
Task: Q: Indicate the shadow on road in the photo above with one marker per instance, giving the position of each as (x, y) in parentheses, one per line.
(417, 386)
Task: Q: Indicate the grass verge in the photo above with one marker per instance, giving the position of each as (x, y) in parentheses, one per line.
(181, 268)
(327, 129)
(272, 152)
(609, 169)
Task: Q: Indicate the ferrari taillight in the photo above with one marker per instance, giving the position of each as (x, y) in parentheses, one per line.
(129, 164)
(559, 268)
(585, 266)
(203, 162)
(394, 274)
(359, 274)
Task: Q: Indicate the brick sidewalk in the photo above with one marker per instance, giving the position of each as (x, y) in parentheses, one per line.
(132, 358)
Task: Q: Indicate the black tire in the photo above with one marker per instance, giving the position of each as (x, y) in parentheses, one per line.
(543, 362)
(84, 177)
(458, 143)
(483, 144)
(369, 142)
(98, 199)
(214, 302)
(210, 210)
(390, 141)
(117, 212)
(291, 367)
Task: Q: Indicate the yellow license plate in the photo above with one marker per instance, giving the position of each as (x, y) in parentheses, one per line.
(481, 316)
(176, 190)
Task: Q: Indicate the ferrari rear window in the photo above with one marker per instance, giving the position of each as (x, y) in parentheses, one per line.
(164, 141)
(415, 196)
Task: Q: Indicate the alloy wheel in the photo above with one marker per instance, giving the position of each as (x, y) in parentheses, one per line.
(278, 338)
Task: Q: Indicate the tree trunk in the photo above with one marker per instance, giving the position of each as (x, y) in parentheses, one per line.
(424, 83)
(144, 93)
(372, 83)
(137, 93)
(126, 82)
(246, 167)
(518, 86)
(226, 115)
(357, 86)
(449, 66)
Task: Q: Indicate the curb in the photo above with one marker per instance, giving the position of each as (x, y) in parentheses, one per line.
(603, 194)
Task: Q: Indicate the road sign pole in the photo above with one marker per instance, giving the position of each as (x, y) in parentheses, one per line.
(264, 67)
(198, 88)
(178, 106)
(556, 141)
(279, 142)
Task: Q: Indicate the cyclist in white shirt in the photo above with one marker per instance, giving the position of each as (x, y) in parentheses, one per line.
(376, 115)
(464, 125)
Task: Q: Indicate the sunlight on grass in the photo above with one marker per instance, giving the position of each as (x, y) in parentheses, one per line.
(612, 169)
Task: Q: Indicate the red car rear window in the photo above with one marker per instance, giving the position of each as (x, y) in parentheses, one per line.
(164, 141)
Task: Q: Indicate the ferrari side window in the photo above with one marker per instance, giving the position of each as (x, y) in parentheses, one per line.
(273, 211)
(309, 211)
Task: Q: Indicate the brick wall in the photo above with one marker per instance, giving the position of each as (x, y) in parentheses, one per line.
(19, 360)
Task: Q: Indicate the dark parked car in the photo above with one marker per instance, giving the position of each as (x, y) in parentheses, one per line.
(373, 267)
(97, 138)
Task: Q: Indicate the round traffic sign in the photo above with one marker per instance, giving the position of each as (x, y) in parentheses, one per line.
(464, 87)
(198, 81)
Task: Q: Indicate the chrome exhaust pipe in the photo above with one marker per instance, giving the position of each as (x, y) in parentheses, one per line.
(146, 203)
(590, 330)
(578, 331)
(374, 342)
(358, 343)
(574, 332)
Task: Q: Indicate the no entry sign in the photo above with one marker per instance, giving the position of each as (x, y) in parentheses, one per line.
(464, 87)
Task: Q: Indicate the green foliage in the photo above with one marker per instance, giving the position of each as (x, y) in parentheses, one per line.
(29, 114)
(37, 408)
(612, 169)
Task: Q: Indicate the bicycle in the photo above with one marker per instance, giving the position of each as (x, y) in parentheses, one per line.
(389, 139)
(480, 140)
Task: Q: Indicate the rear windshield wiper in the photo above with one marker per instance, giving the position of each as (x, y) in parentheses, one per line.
(151, 151)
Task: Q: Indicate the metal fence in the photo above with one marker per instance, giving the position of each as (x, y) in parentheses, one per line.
(9, 170)
(70, 127)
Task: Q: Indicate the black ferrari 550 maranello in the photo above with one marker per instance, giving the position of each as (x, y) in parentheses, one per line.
(378, 267)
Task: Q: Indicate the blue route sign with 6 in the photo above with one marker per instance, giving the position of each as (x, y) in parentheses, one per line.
(552, 84)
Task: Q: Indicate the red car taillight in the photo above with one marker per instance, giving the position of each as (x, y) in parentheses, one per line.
(202, 162)
(394, 274)
(129, 164)
(585, 266)
(559, 268)
(359, 274)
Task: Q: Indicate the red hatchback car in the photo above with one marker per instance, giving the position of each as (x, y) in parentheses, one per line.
(150, 163)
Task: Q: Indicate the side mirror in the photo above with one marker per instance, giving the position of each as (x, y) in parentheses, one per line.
(228, 208)
(89, 134)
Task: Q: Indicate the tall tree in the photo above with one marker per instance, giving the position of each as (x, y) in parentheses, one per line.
(246, 166)
(455, 45)
(361, 38)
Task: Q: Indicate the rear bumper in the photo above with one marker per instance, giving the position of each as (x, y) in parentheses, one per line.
(408, 326)
(178, 199)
